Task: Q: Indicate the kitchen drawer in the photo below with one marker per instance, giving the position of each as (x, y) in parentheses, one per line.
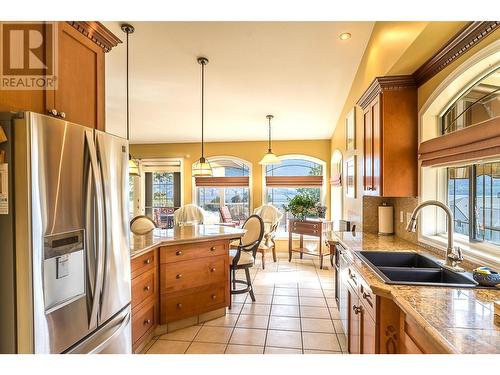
(143, 263)
(367, 298)
(177, 253)
(312, 229)
(143, 287)
(143, 321)
(175, 306)
(193, 273)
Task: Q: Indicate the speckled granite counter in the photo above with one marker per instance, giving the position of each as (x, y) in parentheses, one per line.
(459, 320)
(139, 244)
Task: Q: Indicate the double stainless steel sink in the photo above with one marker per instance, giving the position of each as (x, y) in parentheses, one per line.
(409, 268)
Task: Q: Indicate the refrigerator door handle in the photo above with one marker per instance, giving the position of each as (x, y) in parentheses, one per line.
(118, 331)
(100, 228)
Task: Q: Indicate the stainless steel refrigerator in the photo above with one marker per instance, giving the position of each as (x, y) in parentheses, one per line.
(64, 244)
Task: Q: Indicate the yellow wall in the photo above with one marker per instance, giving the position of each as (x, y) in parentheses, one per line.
(394, 48)
(249, 151)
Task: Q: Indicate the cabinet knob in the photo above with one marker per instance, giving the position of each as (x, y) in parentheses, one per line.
(179, 305)
(214, 297)
(148, 322)
(178, 253)
(212, 248)
(356, 309)
(212, 269)
(147, 287)
(52, 112)
(62, 115)
(178, 276)
(147, 261)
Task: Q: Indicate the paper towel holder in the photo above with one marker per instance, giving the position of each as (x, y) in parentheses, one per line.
(385, 220)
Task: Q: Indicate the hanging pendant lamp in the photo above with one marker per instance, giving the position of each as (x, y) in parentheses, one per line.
(202, 167)
(133, 168)
(269, 158)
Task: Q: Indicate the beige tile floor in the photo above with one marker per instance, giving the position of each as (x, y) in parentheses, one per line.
(295, 313)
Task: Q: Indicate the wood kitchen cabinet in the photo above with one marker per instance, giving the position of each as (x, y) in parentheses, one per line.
(390, 137)
(79, 96)
(373, 321)
(145, 298)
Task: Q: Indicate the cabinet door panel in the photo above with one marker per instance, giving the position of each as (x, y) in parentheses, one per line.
(377, 147)
(80, 91)
(368, 151)
(368, 333)
(354, 322)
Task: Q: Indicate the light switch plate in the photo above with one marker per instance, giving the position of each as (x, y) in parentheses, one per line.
(401, 217)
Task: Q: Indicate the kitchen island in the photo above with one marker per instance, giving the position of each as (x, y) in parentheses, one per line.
(430, 319)
(180, 277)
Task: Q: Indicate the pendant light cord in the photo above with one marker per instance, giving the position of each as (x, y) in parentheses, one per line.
(269, 143)
(202, 104)
(128, 114)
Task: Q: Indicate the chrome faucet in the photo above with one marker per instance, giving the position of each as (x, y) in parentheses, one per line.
(453, 253)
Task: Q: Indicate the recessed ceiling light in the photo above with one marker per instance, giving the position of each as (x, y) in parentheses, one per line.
(345, 36)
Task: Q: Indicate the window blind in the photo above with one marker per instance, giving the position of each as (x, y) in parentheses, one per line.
(221, 181)
(285, 181)
(477, 142)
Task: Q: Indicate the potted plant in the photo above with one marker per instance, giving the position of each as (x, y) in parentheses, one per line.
(301, 206)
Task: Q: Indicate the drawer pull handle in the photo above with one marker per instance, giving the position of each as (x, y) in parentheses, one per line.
(148, 322)
(212, 248)
(212, 269)
(178, 253)
(214, 297)
(356, 309)
(147, 261)
(367, 296)
(179, 305)
(178, 276)
(147, 287)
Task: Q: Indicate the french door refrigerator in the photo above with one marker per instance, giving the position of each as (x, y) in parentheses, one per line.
(64, 244)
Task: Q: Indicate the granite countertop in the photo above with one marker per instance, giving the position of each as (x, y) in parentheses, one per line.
(461, 320)
(139, 244)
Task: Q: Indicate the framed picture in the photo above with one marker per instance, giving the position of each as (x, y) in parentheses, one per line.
(350, 177)
(350, 130)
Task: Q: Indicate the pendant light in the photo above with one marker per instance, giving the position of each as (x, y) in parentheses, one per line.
(202, 167)
(270, 157)
(133, 168)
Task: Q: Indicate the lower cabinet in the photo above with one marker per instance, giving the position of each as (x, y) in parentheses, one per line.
(414, 340)
(373, 321)
(145, 306)
(194, 279)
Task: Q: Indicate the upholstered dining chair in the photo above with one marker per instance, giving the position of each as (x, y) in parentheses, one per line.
(188, 214)
(242, 257)
(271, 217)
(142, 224)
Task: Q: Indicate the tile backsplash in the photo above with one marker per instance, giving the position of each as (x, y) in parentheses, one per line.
(370, 214)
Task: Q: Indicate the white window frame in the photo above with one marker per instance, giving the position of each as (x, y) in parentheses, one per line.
(432, 181)
(323, 189)
(155, 165)
(213, 159)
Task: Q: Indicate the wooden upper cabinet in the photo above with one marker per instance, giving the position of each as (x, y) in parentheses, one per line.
(79, 96)
(390, 137)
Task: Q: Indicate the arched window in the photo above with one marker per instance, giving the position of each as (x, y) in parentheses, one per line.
(228, 187)
(459, 155)
(296, 174)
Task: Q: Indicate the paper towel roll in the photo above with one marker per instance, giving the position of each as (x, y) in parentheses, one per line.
(385, 220)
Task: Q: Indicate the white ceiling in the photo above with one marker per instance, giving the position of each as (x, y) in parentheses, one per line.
(300, 72)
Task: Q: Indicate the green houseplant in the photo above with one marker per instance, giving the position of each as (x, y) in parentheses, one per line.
(301, 206)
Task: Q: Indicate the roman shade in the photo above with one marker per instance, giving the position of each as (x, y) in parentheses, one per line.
(284, 181)
(221, 181)
(477, 142)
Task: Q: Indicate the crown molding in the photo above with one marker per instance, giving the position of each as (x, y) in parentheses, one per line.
(470, 35)
(387, 83)
(97, 32)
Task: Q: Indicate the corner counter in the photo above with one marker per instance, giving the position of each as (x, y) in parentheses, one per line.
(180, 277)
(457, 320)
